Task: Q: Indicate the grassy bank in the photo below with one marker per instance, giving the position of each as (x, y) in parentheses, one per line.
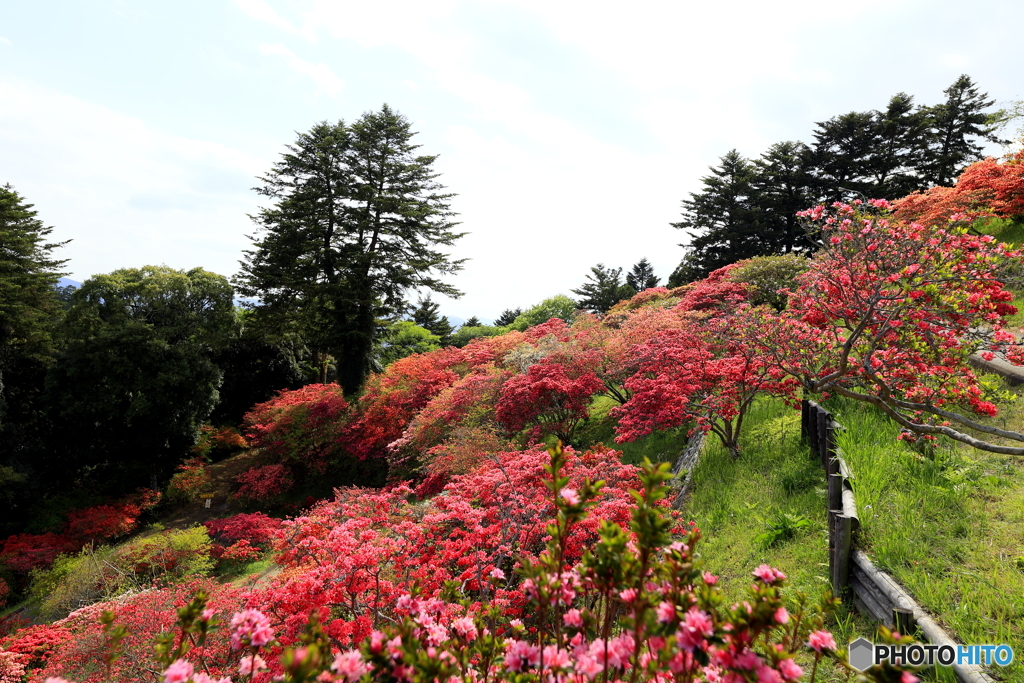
(948, 525)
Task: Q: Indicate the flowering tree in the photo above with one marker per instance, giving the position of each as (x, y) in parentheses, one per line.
(707, 374)
(551, 396)
(889, 312)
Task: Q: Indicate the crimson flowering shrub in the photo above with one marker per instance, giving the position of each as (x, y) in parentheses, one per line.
(469, 402)
(635, 606)
(222, 441)
(264, 483)
(716, 293)
(24, 552)
(300, 427)
(243, 537)
(462, 452)
(256, 528)
(985, 188)
(552, 396)
(391, 399)
(189, 481)
(707, 375)
(357, 554)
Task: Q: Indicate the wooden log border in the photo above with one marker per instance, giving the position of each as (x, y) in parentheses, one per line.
(854, 577)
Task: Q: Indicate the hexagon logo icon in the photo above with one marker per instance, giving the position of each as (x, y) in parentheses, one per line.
(861, 654)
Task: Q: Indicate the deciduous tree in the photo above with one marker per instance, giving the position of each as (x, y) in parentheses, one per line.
(139, 344)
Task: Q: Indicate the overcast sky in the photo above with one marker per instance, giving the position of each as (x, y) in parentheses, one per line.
(570, 131)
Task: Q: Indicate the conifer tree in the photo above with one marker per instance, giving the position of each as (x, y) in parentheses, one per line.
(641, 276)
(603, 289)
(357, 220)
(508, 316)
(427, 315)
(723, 220)
(956, 126)
(29, 307)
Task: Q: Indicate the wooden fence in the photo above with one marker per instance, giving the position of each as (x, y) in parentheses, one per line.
(854, 577)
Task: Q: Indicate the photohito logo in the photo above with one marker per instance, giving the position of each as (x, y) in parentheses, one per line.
(863, 654)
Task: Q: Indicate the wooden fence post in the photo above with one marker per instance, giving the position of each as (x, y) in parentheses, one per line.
(804, 411)
(835, 492)
(842, 536)
(823, 418)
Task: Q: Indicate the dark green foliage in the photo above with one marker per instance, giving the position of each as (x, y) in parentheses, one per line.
(954, 128)
(604, 288)
(748, 208)
(507, 317)
(782, 185)
(405, 338)
(559, 306)
(900, 140)
(29, 309)
(255, 367)
(641, 276)
(356, 221)
(473, 322)
(841, 146)
(136, 377)
(426, 315)
(766, 275)
(723, 220)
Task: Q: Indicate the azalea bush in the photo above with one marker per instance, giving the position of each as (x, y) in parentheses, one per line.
(189, 481)
(635, 606)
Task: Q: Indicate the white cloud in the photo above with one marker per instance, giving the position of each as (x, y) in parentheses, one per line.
(261, 11)
(126, 194)
(319, 72)
(5, 41)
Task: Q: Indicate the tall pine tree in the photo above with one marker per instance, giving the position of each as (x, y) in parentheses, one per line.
(641, 276)
(357, 220)
(956, 126)
(723, 221)
(604, 288)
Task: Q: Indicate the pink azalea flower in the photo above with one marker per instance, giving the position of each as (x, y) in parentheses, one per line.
(497, 574)
(570, 496)
(349, 665)
(766, 674)
(573, 618)
(781, 615)
(251, 664)
(768, 574)
(821, 640)
(250, 627)
(747, 660)
(710, 579)
(908, 677)
(628, 595)
(696, 626)
(520, 654)
(666, 612)
(178, 672)
(465, 627)
(789, 670)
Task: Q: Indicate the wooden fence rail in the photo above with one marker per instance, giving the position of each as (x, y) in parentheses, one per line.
(854, 577)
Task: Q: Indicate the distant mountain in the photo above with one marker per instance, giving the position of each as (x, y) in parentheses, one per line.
(66, 281)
